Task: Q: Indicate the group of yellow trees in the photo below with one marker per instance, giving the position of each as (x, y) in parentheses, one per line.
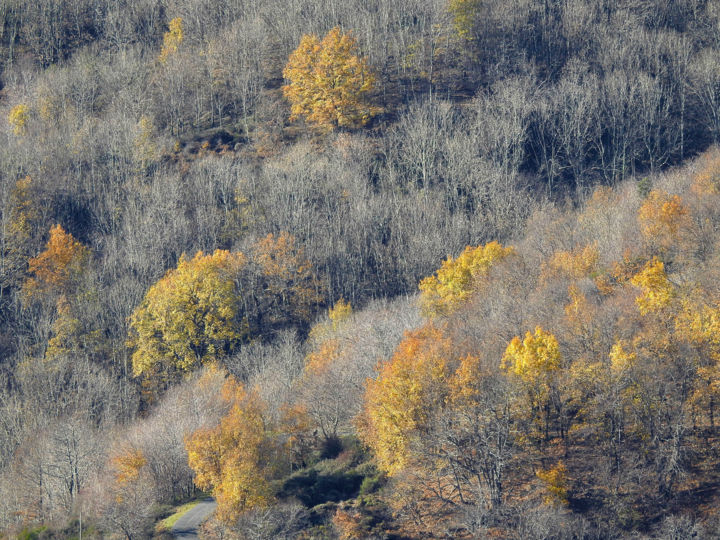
(448, 415)
(618, 353)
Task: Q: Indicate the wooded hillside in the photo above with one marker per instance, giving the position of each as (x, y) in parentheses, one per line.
(360, 268)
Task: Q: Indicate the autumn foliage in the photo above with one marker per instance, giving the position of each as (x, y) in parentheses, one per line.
(172, 39)
(456, 280)
(399, 402)
(330, 82)
(18, 118)
(237, 459)
(59, 268)
(202, 310)
(190, 316)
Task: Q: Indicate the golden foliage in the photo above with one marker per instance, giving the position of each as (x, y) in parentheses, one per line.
(329, 82)
(707, 181)
(579, 263)
(410, 386)
(190, 316)
(663, 219)
(456, 280)
(534, 365)
(699, 324)
(65, 328)
(338, 315)
(534, 357)
(127, 465)
(172, 39)
(557, 482)
(464, 13)
(18, 118)
(463, 383)
(320, 358)
(621, 360)
(578, 312)
(59, 268)
(237, 458)
(656, 290)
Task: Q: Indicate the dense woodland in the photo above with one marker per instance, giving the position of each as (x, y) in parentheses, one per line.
(360, 269)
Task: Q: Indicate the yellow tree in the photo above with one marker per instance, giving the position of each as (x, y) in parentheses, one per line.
(399, 404)
(464, 13)
(664, 220)
(190, 316)
(536, 362)
(18, 118)
(443, 420)
(238, 458)
(446, 290)
(172, 39)
(329, 82)
(556, 483)
(698, 325)
(576, 264)
(656, 290)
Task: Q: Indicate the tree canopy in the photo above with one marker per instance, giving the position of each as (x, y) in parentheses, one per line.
(330, 82)
(191, 316)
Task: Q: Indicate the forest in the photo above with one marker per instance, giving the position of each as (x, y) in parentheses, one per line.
(360, 269)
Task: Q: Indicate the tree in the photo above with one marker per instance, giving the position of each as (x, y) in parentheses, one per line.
(125, 496)
(656, 289)
(453, 283)
(329, 82)
(440, 425)
(191, 316)
(282, 288)
(238, 458)
(399, 404)
(556, 480)
(464, 13)
(59, 268)
(664, 220)
(476, 432)
(172, 39)
(18, 118)
(576, 264)
(535, 363)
